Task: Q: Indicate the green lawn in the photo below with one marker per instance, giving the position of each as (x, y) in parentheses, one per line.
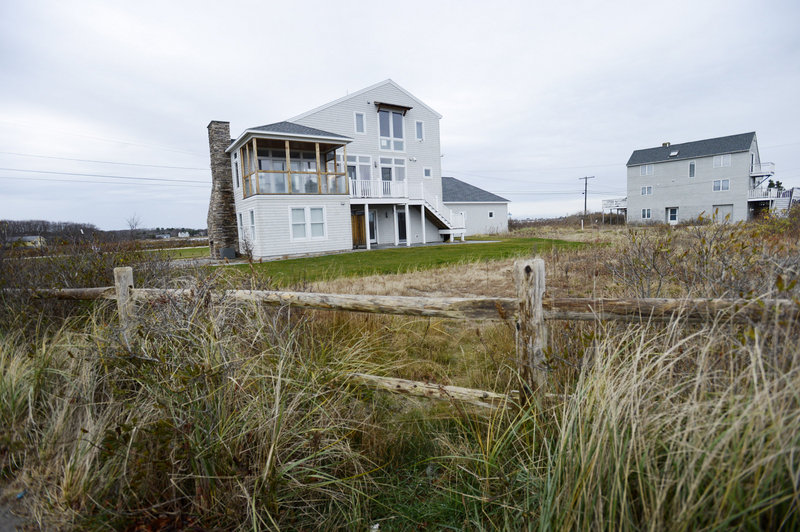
(397, 260)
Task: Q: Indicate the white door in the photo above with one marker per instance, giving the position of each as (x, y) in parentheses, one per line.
(672, 215)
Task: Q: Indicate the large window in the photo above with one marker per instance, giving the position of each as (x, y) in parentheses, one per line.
(646, 169)
(647, 191)
(722, 184)
(390, 124)
(721, 161)
(393, 169)
(308, 223)
(358, 167)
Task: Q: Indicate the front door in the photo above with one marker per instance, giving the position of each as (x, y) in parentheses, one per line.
(401, 226)
(359, 233)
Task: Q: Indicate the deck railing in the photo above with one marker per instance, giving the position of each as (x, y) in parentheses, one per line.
(762, 169)
(374, 188)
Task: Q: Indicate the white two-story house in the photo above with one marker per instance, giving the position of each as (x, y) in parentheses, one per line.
(360, 171)
(720, 177)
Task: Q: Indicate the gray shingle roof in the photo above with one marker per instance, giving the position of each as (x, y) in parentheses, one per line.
(296, 129)
(455, 190)
(691, 150)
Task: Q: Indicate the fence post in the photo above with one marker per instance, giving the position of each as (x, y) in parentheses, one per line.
(531, 334)
(123, 284)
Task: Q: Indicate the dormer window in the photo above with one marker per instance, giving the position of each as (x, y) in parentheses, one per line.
(390, 125)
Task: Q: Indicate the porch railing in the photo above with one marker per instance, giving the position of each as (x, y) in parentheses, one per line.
(767, 193)
(374, 188)
(762, 169)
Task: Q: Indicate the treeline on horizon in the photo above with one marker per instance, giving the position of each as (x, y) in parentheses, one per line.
(74, 231)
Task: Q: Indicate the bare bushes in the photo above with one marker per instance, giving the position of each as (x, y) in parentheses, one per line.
(77, 266)
(712, 260)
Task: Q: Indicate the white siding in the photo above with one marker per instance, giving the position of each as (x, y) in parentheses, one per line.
(672, 187)
(476, 217)
(273, 226)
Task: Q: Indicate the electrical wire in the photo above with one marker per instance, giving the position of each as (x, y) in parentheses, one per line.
(102, 162)
(104, 175)
(70, 181)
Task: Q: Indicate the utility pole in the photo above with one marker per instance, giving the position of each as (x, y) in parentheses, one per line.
(585, 191)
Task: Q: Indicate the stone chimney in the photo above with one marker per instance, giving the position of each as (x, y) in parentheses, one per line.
(222, 232)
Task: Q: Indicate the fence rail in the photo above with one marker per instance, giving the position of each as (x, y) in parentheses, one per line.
(529, 310)
(486, 308)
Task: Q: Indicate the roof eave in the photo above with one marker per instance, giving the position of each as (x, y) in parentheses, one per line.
(255, 133)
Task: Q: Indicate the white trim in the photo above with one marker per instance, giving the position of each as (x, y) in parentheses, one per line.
(416, 136)
(724, 160)
(646, 212)
(692, 164)
(363, 122)
(491, 215)
(241, 139)
(721, 183)
(359, 93)
(307, 222)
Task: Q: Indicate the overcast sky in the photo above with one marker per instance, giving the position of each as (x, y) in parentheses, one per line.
(534, 95)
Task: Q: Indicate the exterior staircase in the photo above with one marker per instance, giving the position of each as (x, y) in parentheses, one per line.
(452, 225)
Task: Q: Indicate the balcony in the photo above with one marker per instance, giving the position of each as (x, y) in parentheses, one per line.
(762, 169)
(377, 189)
(759, 194)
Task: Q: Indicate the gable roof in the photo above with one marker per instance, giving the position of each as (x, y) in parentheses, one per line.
(362, 91)
(457, 191)
(290, 128)
(691, 150)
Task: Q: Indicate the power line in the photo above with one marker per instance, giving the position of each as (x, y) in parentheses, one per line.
(102, 162)
(104, 175)
(70, 181)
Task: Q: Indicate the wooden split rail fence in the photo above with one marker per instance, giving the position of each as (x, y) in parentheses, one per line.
(530, 309)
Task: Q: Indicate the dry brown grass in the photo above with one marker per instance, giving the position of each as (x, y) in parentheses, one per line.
(570, 273)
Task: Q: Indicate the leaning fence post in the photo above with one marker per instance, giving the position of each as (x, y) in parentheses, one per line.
(531, 335)
(123, 284)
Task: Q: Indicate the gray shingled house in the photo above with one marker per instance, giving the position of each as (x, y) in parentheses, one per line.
(722, 176)
(484, 213)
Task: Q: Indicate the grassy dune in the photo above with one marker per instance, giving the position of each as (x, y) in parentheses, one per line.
(244, 417)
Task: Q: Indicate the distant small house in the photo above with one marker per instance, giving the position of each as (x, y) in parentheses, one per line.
(484, 213)
(27, 241)
(163, 236)
(183, 234)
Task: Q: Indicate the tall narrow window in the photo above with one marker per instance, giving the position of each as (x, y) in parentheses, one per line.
(236, 168)
(390, 125)
(420, 130)
(252, 226)
(239, 217)
(361, 127)
(691, 168)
